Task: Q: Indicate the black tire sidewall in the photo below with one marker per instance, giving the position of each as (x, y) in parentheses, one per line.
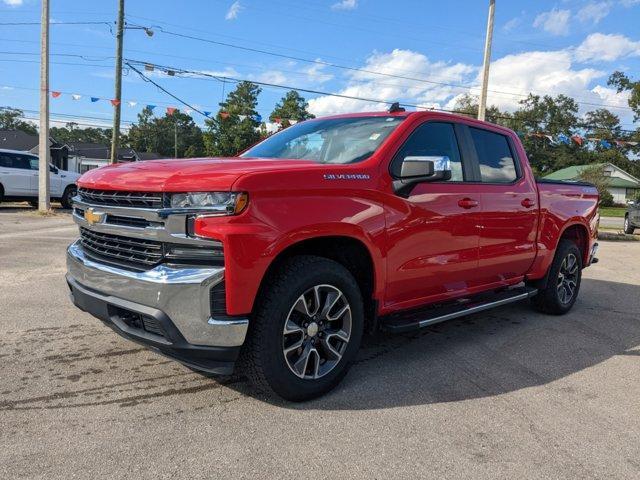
(565, 248)
(68, 194)
(274, 313)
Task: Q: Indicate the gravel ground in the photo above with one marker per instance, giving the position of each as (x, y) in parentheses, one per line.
(505, 394)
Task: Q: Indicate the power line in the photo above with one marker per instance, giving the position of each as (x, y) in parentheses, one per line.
(319, 92)
(15, 24)
(144, 77)
(357, 69)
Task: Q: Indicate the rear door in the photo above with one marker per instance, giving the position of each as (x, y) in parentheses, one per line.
(509, 222)
(433, 233)
(15, 174)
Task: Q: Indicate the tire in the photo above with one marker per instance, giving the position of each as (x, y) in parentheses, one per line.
(68, 195)
(628, 228)
(1, 193)
(554, 299)
(291, 300)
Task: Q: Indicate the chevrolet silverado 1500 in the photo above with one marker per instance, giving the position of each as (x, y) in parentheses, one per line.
(277, 261)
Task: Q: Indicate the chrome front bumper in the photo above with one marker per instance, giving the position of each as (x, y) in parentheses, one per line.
(182, 294)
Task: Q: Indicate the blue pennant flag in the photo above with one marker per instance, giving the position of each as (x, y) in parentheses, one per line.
(206, 114)
(94, 99)
(605, 144)
(151, 107)
(562, 138)
(258, 118)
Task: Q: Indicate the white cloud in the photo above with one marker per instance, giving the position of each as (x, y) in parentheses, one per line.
(233, 11)
(554, 21)
(271, 76)
(606, 47)
(512, 24)
(316, 74)
(13, 3)
(345, 5)
(374, 87)
(512, 78)
(594, 12)
(629, 3)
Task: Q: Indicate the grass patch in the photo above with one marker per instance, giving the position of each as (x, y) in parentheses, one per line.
(612, 211)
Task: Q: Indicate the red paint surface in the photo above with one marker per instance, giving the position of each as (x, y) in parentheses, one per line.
(445, 240)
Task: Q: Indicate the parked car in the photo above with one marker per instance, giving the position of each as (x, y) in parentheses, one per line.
(19, 179)
(632, 217)
(277, 261)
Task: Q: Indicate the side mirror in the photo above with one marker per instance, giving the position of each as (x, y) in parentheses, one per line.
(419, 169)
(53, 169)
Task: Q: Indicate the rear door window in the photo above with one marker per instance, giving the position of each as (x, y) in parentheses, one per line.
(10, 160)
(497, 163)
(432, 139)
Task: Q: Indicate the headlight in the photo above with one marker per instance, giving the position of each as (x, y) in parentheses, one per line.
(223, 203)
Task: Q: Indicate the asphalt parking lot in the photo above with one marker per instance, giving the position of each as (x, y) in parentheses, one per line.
(505, 394)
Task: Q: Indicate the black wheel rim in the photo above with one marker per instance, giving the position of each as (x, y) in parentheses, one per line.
(316, 332)
(568, 279)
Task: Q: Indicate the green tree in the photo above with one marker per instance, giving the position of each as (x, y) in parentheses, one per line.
(72, 133)
(235, 127)
(595, 175)
(603, 124)
(468, 105)
(11, 119)
(291, 107)
(624, 84)
(157, 134)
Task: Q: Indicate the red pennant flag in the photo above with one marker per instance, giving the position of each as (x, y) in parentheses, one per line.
(171, 110)
(56, 94)
(277, 120)
(578, 139)
(115, 102)
(224, 115)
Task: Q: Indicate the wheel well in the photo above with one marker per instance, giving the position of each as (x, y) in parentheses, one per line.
(347, 251)
(579, 235)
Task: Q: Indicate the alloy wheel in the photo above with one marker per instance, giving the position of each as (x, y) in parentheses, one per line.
(568, 279)
(316, 332)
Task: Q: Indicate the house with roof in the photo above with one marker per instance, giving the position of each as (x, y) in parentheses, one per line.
(26, 142)
(87, 156)
(622, 185)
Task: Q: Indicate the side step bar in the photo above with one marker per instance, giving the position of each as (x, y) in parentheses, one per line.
(415, 319)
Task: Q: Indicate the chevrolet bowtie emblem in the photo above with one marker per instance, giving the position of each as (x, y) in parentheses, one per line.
(91, 216)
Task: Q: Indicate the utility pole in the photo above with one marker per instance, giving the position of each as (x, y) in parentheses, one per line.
(175, 137)
(115, 138)
(482, 107)
(44, 153)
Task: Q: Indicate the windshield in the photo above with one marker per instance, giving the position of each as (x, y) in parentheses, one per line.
(333, 140)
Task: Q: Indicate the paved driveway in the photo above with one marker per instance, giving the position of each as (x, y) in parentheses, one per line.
(505, 394)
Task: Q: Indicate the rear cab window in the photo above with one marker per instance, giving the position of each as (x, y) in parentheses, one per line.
(495, 157)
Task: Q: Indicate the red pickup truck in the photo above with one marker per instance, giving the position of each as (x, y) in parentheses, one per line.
(275, 262)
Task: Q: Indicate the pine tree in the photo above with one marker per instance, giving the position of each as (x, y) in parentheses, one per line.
(235, 127)
(291, 107)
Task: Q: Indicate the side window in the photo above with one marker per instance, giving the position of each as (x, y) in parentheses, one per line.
(9, 160)
(33, 163)
(432, 139)
(497, 164)
(6, 161)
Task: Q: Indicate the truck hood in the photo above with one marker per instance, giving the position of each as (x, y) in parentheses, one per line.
(197, 174)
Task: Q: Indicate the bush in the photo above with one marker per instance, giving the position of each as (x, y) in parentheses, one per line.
(606, 199)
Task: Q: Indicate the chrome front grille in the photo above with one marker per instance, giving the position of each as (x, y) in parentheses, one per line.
(134, 252)
(121, 199)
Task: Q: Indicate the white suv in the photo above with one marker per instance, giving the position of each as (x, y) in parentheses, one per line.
(19, 179)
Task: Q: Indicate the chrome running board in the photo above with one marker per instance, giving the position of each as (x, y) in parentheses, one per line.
(415, 319)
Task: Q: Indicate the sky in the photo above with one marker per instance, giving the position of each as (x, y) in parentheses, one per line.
(422, 52)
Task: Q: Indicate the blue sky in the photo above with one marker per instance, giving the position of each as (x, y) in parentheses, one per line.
(547, 47)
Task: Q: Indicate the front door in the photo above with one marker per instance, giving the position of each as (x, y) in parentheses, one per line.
(434, 232)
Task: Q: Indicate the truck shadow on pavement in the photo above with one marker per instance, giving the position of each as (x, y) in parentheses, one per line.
(489, 354)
